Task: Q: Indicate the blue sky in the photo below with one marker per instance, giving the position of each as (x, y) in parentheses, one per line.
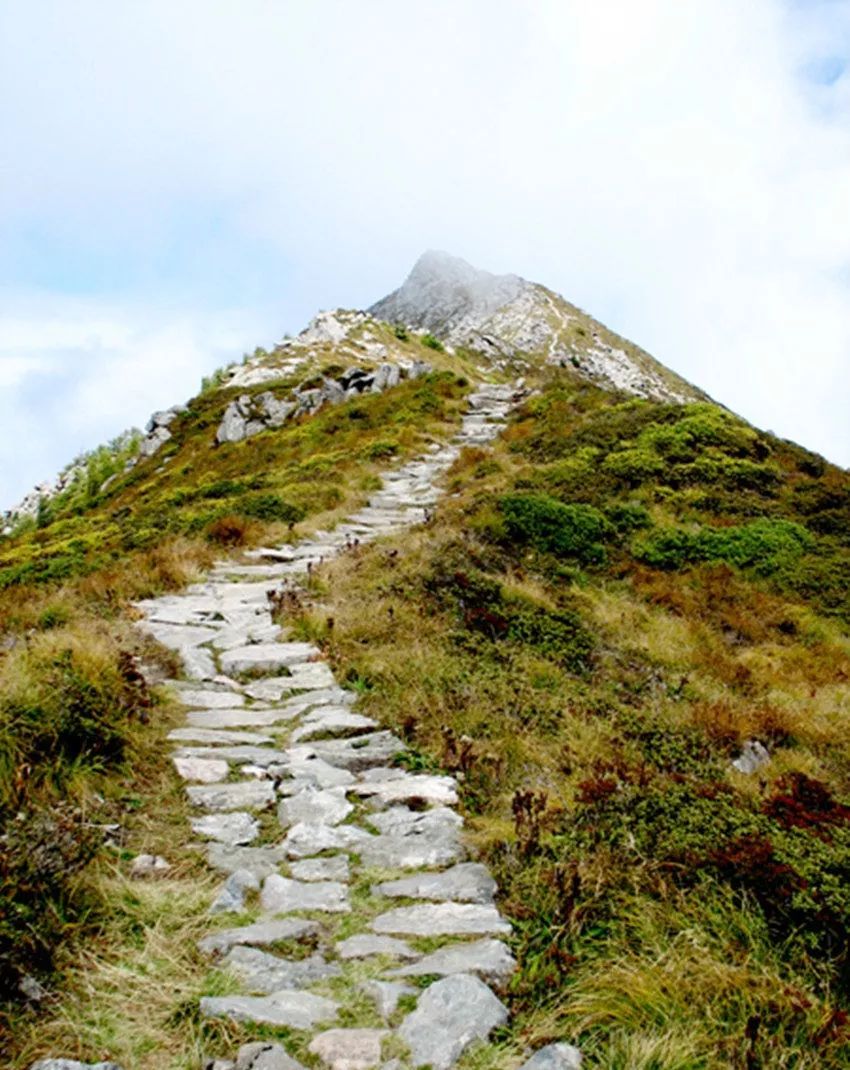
(182, 182)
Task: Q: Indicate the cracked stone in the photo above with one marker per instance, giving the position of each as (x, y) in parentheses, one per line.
(233, 892)
(490, 960)
(243, 795)
(280, 895)
(240, 755)
(450, 1015)
(261, 861)
(469, 882)
(235, 828)
(349, 1049)
(237, 718)
(210, 700)
(293, 1009)
(315, 807)
(362, 945)
(258, 934)
(554, 1057)
(213, 735)
(441, 919)
(325, 723)
(202, 770)
(261, 1055)
(302, 765)
(435, 790)
(304, 840)
(361, 752)
(321, 869)
(263, 973)
(266, 657)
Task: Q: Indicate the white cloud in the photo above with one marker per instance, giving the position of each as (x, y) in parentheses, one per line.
(672, 167)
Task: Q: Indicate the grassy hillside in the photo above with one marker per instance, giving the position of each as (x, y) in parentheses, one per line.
(609, 606)
(81, 734)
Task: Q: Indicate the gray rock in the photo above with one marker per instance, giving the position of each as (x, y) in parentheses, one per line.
(469, 882)
(436, 790)
(332, 723)
(198, 664)
(263, 973)
(234, 828)
(239, 755)
(216, 735)
(149, 866)
(71, 1064)
(488, 959)
(349, 1049)
(443, 919)
(266, 657)
(359, 753)
(211, 700)
(261, 933)
(237, 718)
(303, 766)
(154, 441)
(201, 770)
(402, 821)
(413, 840)
(243, 795)
(321, 869)
(262, 1055)
(554, 1057)
(364, 945)
(753, 756)
(386, 995)
(233, 423)
(232, 895)
(304, 841)
(311, 676)
(450, 1015)
(315, 807)
(261, 861)
(293, 1009)
(280, 895)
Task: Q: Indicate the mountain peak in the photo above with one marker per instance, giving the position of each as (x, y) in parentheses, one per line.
(510, 319)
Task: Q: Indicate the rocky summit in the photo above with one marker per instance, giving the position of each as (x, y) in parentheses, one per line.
(452, 686)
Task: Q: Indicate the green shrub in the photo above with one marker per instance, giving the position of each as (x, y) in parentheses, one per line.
(270, 507)
(400, 331)
(432, 343)
(553, 527)
(765, 546)
(380, 450)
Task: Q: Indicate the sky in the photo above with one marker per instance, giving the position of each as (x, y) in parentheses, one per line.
(180, 182)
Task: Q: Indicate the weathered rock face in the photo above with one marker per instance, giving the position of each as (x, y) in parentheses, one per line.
(506, 317)
(247, 416)
(158, 430)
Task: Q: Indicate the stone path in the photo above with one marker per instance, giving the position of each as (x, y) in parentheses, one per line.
(374, 935)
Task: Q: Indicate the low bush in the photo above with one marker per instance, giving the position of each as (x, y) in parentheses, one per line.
(550, 526)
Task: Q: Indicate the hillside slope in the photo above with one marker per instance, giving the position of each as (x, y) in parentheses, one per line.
(625, 630)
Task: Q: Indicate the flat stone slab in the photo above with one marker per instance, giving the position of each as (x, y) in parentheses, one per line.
(263, 973)
(293, 1009)
(198, 663)
(239, 755)
(304, 841)
(321, 869)
(315, 806)
(490, 960)
(414, 840)
(261, 861)
(359, 753)
(365, 945)
(333, 723)
(311, 676)
(280, 895)
(269, 690)
(349, 1049)
(554, 1057)
(231, 897)
(450, 1015)
(266, 657)
(243, 795)
(386, 995)
(403, 788)
(441, 919)
(402, 821)
(469, 882)
(302, 765)
(201, 770)
(263, 1055)
(71, 1064)
(211, 700)
(260, 934)
(178, 636)
(237, 718)
(216, 735)
(235, 828)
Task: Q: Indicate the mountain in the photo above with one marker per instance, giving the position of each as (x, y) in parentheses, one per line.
(618, 632)
(504, 317)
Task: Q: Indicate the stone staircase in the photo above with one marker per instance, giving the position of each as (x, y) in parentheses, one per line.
(368, 882)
